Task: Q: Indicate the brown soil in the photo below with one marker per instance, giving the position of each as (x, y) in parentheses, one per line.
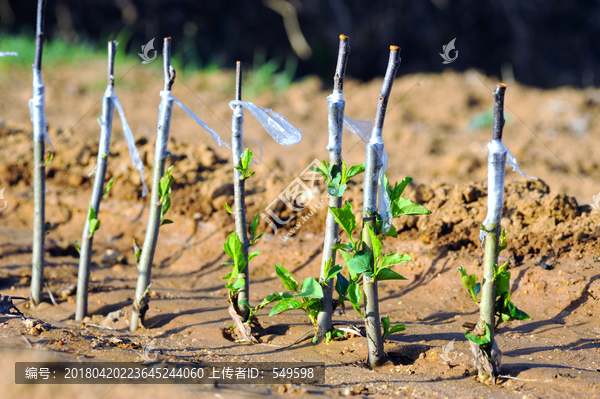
(552, 250)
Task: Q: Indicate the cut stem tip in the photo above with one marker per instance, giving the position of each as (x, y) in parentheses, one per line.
(343, 37)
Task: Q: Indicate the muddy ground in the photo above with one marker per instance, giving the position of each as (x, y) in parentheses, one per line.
(434, 132)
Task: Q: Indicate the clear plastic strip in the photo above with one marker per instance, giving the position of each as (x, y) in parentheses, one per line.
(277, 125)
(166, 95)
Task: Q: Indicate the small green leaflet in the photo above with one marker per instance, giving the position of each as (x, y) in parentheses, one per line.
(345, 218)
(311, 289)
(479, 340)
(470, 283)
(404, 206)
(387, 274)
(393, 259)
(360, 262)
(109, 186)
(285, 305)
(289, 282)
(228, 209)
(375, 242)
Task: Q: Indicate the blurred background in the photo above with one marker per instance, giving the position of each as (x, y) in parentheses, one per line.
(540, 43)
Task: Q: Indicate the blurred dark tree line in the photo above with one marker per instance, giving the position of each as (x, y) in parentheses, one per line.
(544, 43)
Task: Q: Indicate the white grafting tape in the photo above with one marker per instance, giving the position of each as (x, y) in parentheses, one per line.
(496, 185)
(277, 125)
(37, 109)
(335, 101)
(238, 112)
(373, 137)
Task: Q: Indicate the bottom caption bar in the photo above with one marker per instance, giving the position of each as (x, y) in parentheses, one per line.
(168, 373)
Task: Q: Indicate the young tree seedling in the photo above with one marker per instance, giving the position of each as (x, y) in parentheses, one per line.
(92, 222)
(39, 168)
(495, 294)
(160, 197)
(241, 172)
(334, 168)
(374, 163)
(369, 263)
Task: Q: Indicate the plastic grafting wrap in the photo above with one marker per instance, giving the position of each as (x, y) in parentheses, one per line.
(336, 99)
(274, 123)
(496, 184)
(238, 112)
(136, 160)
(37, 109)
(365, 130)
(166, 95)
(8, 53)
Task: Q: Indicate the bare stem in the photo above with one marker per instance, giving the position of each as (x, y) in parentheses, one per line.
(499, 111)
(85, 253)
(336, 125)
(373, 165)
(239, 190)
(340, 70)
(39, 168)
(140, 305)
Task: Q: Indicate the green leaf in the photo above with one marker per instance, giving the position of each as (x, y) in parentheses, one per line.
(347, 257)
(311, 289)
(228, 275)
(91, 213)
(166, 221)
(94, 225)
(239, 283)
(375, 242)
(341, 285)
(394, 259)
(354, 294)
(272, 298)
(486, 339)
(360, 262)
(502, 282)
(286, 277)
(404, 206)
(397, 328)
(398, 188)
(164, 185)
(253, 255)
(284, 305)
(254, 224)
(77, 247)
(109, 186)
(228, 209)
(391, 232)
(336, 191)
(233, 249)
(333, 272)
(346, 247)
(322, 172)
(355, 170)
(166, 205)
(136, 250)
(470, 283)
(502, 241)
(385, 322)
(387, 274)
(345, 218)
